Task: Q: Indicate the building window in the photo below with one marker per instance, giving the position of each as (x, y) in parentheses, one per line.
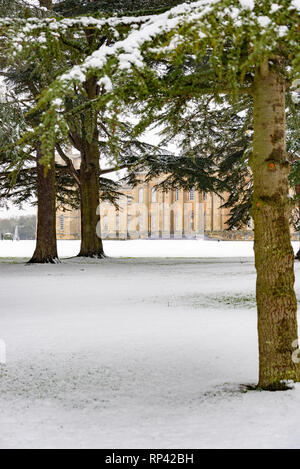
(204, 195)
(129, 199)
(61, 223)
(141, 193)
(192, 194)
(128, 221)
(176, 221)
(177, 193)
(153, 194)
(117, 222)
(192, 221)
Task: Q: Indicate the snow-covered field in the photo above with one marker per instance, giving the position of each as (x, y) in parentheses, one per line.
(144, 248)
(141, 248)
(137, 353)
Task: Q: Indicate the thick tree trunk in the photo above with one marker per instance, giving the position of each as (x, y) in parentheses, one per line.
(46, 246)
(91, 243)
(274, 257)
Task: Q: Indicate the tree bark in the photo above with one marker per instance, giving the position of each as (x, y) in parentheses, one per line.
(91, 242)
(274, 257)
(46, 245)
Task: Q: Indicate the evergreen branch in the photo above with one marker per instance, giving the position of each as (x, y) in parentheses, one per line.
(69, 163)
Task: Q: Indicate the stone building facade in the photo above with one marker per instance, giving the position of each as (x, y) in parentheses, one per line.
(147, 212)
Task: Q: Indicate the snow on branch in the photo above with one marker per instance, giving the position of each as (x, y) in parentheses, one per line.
(128, 52)
(33, 30)
(239, 35)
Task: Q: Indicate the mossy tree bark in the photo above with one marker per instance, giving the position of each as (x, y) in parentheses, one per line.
(91, 242)
(274, 257)
(46, 245)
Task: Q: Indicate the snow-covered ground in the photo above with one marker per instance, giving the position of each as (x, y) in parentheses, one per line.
(141, 248)
(137, 353)
(144, 248)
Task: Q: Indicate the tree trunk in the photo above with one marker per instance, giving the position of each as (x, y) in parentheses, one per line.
(46, 246)
(274, 257)
(91, 243)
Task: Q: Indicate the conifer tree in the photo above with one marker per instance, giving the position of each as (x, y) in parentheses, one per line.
(46, 244)
(92, 124)
(91, 129)
(240, 47)
(26, 80)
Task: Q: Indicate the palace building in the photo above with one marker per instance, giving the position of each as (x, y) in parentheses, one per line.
(146, 212)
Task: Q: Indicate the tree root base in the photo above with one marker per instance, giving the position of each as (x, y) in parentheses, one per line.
(92, 255)
(281, 386)
(46, 260)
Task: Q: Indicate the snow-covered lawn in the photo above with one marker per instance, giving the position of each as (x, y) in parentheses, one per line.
(141, 248)
(144, 248)
(137, 353)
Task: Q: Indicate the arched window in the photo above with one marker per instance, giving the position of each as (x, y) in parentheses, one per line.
(153, 194)
(141, 194)
(177, 193)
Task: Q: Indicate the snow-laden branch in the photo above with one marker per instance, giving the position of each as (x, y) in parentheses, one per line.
(36, 30)
(239, 35)
(128, 51)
